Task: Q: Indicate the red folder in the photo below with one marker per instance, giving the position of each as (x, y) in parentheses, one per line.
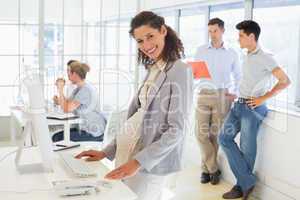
(200, 69)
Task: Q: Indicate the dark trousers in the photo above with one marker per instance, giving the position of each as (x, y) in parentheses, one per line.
(77, 135)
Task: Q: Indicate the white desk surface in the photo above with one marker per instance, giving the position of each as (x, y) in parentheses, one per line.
(18, 114)
(14, 186)
(18, 119)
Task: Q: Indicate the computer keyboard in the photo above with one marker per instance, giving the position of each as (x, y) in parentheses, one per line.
(77, 167)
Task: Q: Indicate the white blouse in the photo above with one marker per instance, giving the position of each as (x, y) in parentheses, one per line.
(130, 134)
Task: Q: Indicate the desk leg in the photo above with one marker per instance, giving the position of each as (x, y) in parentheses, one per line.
(13, 129)
(67, 131)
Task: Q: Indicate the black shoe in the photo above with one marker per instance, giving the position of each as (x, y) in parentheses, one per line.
(247, 193)
(235, 193)
(215, 177)
(205, 178)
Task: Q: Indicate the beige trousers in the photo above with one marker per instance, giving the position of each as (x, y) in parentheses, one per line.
(212, 108)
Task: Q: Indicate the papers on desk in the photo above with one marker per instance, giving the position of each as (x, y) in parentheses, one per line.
(80, 187)
(59, 146)
(60, 115)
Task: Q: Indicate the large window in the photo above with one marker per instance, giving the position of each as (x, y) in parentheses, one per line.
(119, 65)
(19, 47)
(231, 14)
(170, 18)
(193, 29)
(77, 29)
(280, 35)
(73, 29)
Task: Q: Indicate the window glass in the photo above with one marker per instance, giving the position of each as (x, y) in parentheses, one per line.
(192, 31)
(280, 35)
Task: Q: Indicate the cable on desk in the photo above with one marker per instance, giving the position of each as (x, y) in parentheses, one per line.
(21, 192)
(12, 152)
(27, 191)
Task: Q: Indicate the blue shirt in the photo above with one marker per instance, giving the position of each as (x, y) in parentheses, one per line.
(89, 110)
(223, 66)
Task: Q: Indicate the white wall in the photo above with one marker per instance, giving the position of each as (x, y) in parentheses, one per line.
(278, 161)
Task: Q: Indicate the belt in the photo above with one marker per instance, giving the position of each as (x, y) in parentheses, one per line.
(242, 100)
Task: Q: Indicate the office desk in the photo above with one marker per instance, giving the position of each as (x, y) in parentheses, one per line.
(14, 186)
(18, 120)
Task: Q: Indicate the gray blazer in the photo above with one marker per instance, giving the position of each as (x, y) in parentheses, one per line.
(164, 122)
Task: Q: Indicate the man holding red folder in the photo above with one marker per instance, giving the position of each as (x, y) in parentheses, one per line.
(218, 70)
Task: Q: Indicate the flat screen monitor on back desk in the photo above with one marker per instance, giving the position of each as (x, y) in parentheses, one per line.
(36, 124)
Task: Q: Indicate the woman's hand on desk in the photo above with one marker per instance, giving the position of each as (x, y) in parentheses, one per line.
(92, 155)
(126, 170)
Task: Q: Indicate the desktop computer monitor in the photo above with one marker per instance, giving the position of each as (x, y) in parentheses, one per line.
(37, 126)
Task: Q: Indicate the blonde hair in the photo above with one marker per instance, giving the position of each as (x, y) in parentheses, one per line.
(79, 68)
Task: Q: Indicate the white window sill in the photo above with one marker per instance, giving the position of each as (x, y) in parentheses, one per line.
(5, 113)
(289, 109)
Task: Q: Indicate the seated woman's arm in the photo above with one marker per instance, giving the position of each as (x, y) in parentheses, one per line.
(66, 105)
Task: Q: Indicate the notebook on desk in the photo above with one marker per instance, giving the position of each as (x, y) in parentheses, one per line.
(60, 115)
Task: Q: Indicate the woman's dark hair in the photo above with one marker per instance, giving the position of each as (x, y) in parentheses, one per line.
(173, 49)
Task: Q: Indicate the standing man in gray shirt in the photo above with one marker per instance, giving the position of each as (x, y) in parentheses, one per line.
(249, 111)
(215, 96)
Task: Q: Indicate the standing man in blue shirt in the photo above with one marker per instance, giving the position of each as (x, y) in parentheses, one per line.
(215, 97)
(249, 111)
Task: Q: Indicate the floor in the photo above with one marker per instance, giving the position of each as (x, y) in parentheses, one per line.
(188, 187)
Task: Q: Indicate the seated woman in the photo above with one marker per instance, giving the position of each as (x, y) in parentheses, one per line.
(83, 102)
